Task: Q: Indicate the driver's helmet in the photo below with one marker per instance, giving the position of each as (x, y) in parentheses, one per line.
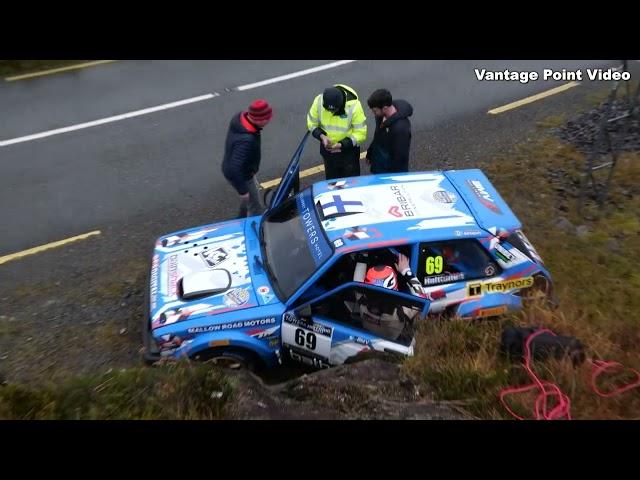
(382, 276)
(451, 255)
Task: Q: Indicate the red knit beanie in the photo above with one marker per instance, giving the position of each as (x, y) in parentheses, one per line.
(259, 110)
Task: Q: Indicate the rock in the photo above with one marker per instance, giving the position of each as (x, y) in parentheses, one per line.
(563, 224)
(123, 331)
(582, 231)
(612, 245)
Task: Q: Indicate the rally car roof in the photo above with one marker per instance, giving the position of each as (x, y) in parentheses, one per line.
(398, 208)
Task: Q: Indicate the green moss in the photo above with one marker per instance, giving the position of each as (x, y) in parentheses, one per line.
(172, 391)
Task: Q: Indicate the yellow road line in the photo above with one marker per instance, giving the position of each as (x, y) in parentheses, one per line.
(533, 98)
(57, 70)
(59, 243)
(303, 173)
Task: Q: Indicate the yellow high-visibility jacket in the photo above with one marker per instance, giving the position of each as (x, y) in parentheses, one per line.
(351, 124)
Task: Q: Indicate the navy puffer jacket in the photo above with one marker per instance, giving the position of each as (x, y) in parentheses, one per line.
(241, 152)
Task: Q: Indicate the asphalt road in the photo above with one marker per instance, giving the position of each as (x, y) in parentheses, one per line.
(67, 184)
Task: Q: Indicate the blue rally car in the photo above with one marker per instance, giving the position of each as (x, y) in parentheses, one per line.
(289, 284)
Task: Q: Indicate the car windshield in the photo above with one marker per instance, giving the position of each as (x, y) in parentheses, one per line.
(294, 243)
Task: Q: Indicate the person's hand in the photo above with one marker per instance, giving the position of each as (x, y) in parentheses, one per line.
(335, 148)
(325, 141)
(403, 263)
(244, 196)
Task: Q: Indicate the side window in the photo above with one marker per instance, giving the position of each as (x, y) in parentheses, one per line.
(344, 270)
(383, 314)
(454, 261)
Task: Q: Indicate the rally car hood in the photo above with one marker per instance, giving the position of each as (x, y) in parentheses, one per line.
(207, 271)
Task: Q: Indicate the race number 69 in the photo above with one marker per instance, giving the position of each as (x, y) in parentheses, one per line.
(309, 339)
(434, 265)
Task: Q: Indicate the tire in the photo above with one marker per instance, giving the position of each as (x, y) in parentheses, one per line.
(229, 358)
(542, 289)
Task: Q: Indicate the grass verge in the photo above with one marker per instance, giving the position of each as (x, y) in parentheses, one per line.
(174, 390)
(593, 264)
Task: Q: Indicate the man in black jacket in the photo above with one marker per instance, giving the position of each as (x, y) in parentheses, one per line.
(242, 155)
(389, 150)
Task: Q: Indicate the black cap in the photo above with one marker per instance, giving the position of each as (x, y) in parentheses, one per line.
(332, 99)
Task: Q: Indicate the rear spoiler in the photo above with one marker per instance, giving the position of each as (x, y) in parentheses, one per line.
(484, 201)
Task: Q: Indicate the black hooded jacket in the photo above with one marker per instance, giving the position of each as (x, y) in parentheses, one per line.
(389, 150)
(241, 152)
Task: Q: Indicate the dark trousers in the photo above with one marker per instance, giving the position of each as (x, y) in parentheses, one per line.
(343, 164)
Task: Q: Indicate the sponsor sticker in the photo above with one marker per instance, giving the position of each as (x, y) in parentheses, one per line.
(265, 293)
(172, 274)
(232, 325)
(236, 297)
(213, 258)
(491, 312)
(443, 196)
(483, 195)
(489, 270)
(320, 250)
(338, 243)
(476, 289)
(405, 207)
(466, 233)
(447, 278)
(504, 254)
(153, 288)
(337, 185)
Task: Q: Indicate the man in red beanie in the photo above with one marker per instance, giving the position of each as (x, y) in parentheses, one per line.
(242, 155)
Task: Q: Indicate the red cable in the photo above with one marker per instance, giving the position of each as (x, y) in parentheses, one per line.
(547, 389)
(601, 366)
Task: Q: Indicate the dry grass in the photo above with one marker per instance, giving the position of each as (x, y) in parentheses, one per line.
(597, 278)
(175, 390)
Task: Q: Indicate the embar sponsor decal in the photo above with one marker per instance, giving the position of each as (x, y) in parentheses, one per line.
(476, 289)
(485, 198)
